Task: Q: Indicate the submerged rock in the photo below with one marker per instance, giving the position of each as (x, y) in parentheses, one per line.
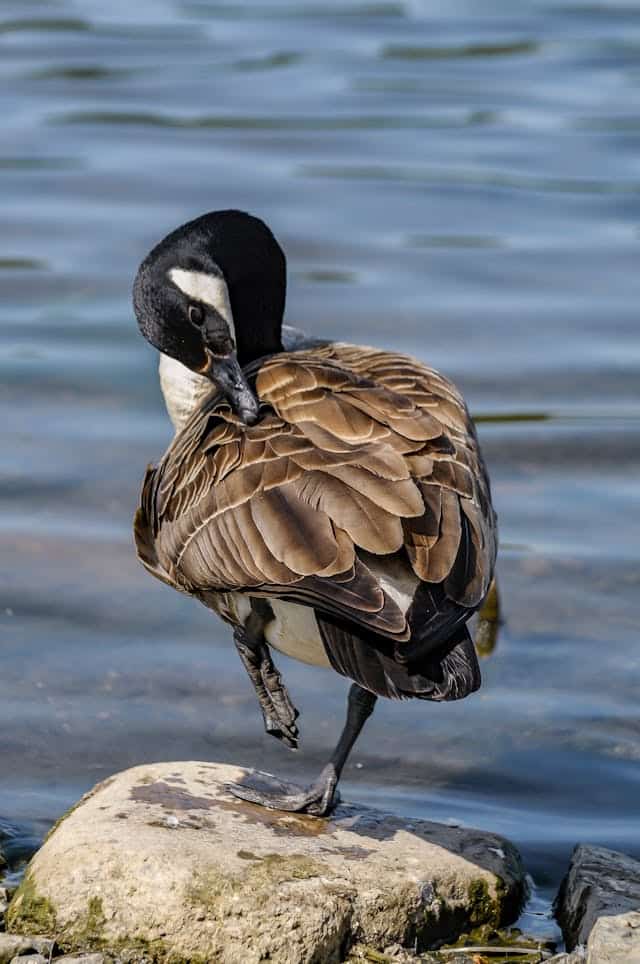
(598, 905)
(162, 863)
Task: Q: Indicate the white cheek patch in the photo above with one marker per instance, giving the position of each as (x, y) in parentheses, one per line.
(183, 390)
(210, 289)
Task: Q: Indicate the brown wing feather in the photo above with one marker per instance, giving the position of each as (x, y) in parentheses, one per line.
(356, 449)
(429, 426)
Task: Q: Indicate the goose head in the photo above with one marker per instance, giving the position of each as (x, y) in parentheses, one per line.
(211, 296)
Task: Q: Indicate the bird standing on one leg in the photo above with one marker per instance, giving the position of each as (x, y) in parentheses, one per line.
(327, 500)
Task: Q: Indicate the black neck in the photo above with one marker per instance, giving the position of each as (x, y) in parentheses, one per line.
(257, 313)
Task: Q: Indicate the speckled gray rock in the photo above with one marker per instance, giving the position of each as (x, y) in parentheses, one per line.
(600, 883)
(162, 861)
(13, 945)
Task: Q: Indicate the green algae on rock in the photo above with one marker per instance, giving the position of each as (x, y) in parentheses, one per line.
(29, 913)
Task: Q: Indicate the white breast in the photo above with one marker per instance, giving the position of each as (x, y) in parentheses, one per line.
(294, 631)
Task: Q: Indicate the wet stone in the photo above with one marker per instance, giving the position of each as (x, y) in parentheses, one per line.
(163, 863)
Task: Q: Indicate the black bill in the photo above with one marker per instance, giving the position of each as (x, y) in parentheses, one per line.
(226, 373)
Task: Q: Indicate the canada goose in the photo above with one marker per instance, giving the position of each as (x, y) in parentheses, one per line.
(325, 499)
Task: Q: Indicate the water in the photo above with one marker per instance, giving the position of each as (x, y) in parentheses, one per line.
(456, 180)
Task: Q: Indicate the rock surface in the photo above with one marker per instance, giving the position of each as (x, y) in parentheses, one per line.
(162, 863)
(615, 940)
(601, 885)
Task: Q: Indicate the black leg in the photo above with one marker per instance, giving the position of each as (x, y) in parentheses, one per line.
(278, 711)
(321, 796)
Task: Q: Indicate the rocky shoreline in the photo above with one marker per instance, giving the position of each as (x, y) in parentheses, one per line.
(161, 865)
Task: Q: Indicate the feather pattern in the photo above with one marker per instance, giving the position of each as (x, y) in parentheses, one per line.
(356, 451)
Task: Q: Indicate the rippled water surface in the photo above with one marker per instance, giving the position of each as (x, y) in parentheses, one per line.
(457, 180)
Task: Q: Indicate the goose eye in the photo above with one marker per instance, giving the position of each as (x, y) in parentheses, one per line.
(196, 315)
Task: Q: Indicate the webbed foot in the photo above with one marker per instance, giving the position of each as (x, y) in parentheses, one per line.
(267, 791)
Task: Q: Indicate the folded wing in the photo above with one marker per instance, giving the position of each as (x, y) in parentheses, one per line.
(357, 451)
